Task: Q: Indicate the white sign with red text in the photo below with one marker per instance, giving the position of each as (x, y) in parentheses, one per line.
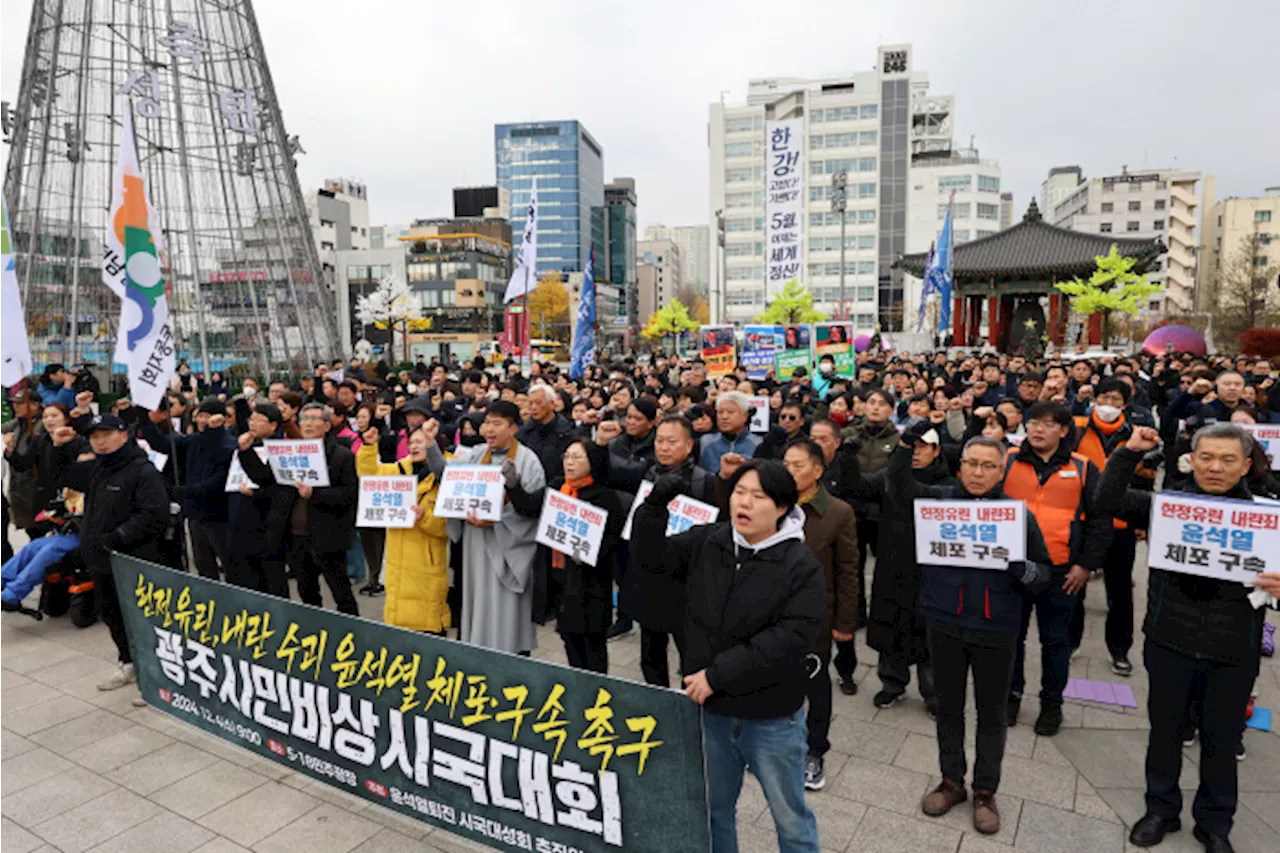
(759, 413)
(1268, 435)
(683, 512)
(387, 502)
(236, 477)
(970, 534)
(574, 528)
(1213, 537)
(298, 461)
(471, 489)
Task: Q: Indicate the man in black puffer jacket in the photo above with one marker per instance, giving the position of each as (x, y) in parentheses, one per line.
(126, 509)
(1203, 636)
(257, 560)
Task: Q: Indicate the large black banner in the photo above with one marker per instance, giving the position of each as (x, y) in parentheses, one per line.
(511, 752)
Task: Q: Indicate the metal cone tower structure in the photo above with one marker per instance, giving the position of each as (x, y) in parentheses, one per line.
(245, 283)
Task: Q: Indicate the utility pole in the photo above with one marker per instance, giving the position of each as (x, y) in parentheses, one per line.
(839, 202)
(720, 264)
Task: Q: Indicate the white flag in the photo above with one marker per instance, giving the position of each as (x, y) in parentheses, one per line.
(17, 352)
(131, 266)
(526, 271)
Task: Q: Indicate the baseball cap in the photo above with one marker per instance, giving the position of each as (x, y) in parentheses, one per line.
(107, 422)
(24, 395)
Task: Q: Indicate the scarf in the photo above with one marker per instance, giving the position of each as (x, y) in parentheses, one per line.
(510, 453)
(683, 469)
(570, 489)
(1108, 428)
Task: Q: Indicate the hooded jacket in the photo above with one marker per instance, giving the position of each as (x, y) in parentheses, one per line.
(753, 612)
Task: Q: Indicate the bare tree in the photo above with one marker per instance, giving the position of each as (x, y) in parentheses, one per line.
(1242, 280)
(393, 304)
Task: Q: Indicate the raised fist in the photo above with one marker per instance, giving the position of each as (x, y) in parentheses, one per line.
(245, 440)
(83, 399)
(62, 435)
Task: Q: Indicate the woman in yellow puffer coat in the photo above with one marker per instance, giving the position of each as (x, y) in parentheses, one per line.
(417, 567)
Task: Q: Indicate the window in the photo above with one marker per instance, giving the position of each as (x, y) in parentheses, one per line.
(987, 184)
(326, 245)
(954, 182)
(1131, 225)
(1108, 188)
(868, 137)
(988, 211)
(869, 111)
(737, 176)
(1105, 228)
(815, 168)
(740, 250)
(815, 219)
(866, 190)
(1260, 216)
(866, 216)
(866, 294)
(1158, 225)
(1160, 204)
(429, 298)
(815, 117)
(448, 297)
(738, 125)
(1135, 205)
(959, 210)
(737, 225)
(1260, 261)
(982, 232)
(354, 229)
(739, 149)
(326, 223)
(866, 164)
(733, 200)
(1108, 207)
(816, 141)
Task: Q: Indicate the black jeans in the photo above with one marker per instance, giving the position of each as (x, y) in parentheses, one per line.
(104, 593)
(263, 572)
(308, 566)
(868, 531)
(587, 651)
(818, 719)
(1222, 694)
(373, 540)
(1054, 609)
(653, 656)
(846, 659)
(989, 654)
(1117, 577)
(895, 675)
(209, 546)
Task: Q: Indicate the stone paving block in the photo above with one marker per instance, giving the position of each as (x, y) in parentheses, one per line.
(1020, 742)
(1250, 833)
(960, 818)
(751, 801)
(1112, 759)
(392, 820)
(1049, 830)
(1265, 805)
(24, 696)
(208, 789)
(885, 832)
(1041, 783)
(837, 819)
(866, 740)
(46, 715)
(324, 829)
(93, 822)
(29, 767)
(37, 654)
(43, 800)
(1089, 804)
(258, 813)
(1260, 771)
(15, 839)
(884, 786)
(920, 753)
(390, 841)
(10, 680)
(1047, 753)
(219, 845)
(161, 768)
(450, 843)
(12, 745)
(71, 669)
(1102, 718)
(164, 833)
(121, 748)
(66, 738)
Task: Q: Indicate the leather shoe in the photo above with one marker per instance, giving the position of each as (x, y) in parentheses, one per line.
(986, 817)
(941, 799)
(1212, 843)
(1150, 829)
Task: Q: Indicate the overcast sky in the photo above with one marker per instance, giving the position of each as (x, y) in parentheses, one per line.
(404, 95)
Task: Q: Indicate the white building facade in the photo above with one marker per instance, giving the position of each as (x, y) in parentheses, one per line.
(339, 216)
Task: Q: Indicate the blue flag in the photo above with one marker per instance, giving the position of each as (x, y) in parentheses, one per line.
(938, 275)
(584, 335)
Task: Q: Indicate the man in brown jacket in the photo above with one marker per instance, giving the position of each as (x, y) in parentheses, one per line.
(830, 531)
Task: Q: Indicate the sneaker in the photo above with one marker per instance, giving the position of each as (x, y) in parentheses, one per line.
(620, 628)
(1120, 664)
(1011, 710)
(848, 686)
(1189, 736)
(943, 798)
(986, 817)
(373, 589)
(122, 677)
(1075, 652)
(1240, 751)
(885, 699)
(815, 777)
(1047, 725)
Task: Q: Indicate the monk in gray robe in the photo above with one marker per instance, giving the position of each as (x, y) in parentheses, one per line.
(498, 558)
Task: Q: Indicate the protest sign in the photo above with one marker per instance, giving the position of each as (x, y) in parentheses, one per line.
(298, 461)
(796, 351)
(506, 751)
(1213, 537)
(387, 502)
(971, 534)
(759, 347)
(1268, 435)
(683, 512)
(236, 475)
(154, 456)
(471, 488)
(572, 527)
(836, 340)
(717, 349)
(759, 413)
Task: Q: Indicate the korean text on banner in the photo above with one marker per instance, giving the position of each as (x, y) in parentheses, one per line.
(759, 343)
(784, 204)
(298, 461)
(466, 489)
(717, 349)
(387, 502)
(796, 350)
(1268, 435)
(572, 527)
(236, 477)
(836, 340)
(759, 413)
(970, 534)
(1213, 537)
(508, 752)
(683, 512)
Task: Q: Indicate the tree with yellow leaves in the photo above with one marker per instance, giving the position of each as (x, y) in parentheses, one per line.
(672, 319)
(549, 309)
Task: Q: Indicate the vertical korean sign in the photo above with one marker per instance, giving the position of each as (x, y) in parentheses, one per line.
(784, 204)
(508, 752)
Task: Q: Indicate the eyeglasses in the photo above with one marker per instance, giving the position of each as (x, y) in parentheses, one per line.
(788, 417)
(981, 466)
(574, 457)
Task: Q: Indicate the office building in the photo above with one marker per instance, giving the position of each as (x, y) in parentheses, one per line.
(1062, 181)
(569, 166)
(1159, 203)
(661, 261)
(694, 242)
(1006, 210)
(874, 126)
(383, 236)
(616, 255)
(339, 216)
(1226, 230)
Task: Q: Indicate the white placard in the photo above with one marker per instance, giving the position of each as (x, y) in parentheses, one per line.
(970, 534)
(784, 204)
(155, 457)
(298, 461)
(683, 512)
(572, 527)
(236, 476)
(1268, 435)
(387, 501)
(1213, 537)
(759, 413)
(471, 488)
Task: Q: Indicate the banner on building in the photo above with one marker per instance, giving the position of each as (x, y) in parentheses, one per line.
(760, 345)
(509, 752)
(717, 349)
(970, 534)
(784, 204)
(1213, 537)
(797, 351)
(836, 340)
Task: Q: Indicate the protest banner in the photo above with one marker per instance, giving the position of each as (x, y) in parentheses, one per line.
(572, 527)
(1268, 435)
(298, 461)
(387, 502)
(836, 340)
(717, 349)
(683, 512)
(971, 534)
(784, 204)
(759, 347)
(796, 351)
(471, 488)
(1213, 537)
(154, 456)
(759, 413)
(508, 752)
(236, 477)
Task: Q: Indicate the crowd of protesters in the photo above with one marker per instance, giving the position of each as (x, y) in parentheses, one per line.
(814, 541)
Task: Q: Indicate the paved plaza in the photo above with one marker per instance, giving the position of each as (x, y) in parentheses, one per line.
(87, 771)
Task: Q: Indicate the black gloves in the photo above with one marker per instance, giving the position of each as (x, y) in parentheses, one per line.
(665, 490)
(916, 431)
(1033, 576)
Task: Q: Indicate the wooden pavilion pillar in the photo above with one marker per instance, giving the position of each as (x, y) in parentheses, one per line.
(1095, 330)
(973, 313)
(957, 322)
(993, 321)
(1057, 329)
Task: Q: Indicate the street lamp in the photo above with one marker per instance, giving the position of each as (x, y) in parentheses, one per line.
(720, 264)
(839, 201)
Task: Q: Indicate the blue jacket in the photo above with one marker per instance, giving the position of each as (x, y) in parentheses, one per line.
(1185, 405)
(714, 445)
(50, 394)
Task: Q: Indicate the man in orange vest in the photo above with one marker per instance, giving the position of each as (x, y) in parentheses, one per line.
(1058, 487)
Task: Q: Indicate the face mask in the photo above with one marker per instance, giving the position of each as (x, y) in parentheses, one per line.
(1107, 414)
(826, 368)
(841, 418)
(249, 391)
